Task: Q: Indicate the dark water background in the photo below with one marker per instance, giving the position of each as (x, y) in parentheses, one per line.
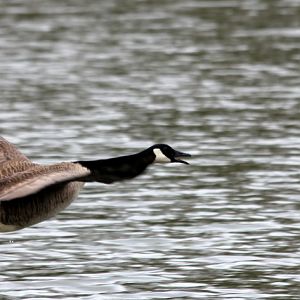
(219, 79)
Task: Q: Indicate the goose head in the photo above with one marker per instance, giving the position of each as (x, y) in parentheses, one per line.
(166, 154)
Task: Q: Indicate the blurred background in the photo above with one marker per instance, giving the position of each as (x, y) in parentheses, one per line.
(219, 79)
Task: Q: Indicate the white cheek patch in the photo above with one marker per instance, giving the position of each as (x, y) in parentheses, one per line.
(160, 157)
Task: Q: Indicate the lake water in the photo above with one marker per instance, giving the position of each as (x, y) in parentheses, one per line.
(219, 79)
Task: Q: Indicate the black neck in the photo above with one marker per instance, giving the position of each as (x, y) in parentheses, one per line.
(119, 168)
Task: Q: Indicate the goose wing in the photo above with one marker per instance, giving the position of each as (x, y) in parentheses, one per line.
(39, 177)
(9, 152)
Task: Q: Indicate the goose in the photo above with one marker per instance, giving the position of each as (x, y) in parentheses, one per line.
(31, 193)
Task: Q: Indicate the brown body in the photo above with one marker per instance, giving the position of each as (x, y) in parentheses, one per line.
(26, 211)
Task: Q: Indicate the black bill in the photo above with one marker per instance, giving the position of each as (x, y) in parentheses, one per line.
(178, 155)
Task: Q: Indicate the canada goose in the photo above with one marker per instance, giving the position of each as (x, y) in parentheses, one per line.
(31, 193)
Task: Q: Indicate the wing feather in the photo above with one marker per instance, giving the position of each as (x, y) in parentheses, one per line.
(9, 152)
(37, 178)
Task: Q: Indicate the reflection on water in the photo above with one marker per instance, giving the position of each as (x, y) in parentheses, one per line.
(219, 79)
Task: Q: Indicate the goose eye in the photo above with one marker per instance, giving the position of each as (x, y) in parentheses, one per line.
(165, 149)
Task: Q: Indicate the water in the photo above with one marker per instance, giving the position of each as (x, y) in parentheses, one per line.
(218, 79)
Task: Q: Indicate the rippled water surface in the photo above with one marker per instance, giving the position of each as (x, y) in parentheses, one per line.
(219, 79)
